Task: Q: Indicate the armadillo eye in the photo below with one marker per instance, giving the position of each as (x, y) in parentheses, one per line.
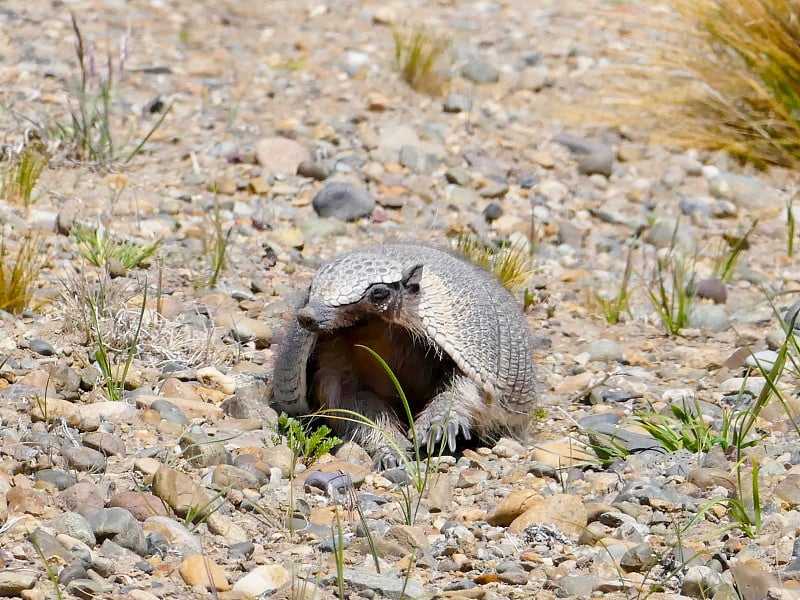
(378, 294)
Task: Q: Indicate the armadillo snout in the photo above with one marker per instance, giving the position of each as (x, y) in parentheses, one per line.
(308, 319)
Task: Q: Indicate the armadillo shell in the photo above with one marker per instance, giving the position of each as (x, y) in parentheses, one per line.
(462, 309)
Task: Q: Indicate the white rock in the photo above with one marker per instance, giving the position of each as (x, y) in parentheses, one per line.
(260, 580)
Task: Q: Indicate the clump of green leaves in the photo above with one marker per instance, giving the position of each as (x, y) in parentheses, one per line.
(98, 245)
(509, 263)
(19, 272)
(22, 173)
(420, 57)
(305, 444)
(90, 129)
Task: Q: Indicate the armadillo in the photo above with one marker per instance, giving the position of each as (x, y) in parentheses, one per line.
(455, 339)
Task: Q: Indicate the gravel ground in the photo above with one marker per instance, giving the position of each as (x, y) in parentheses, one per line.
(287, 127)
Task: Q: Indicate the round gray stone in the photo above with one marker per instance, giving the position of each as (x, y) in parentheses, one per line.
(478, 71)
(343, 201)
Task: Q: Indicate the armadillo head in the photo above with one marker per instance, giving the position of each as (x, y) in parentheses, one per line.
(356, 287)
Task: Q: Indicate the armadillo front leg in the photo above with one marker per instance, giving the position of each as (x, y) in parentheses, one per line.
(450, 413)
(289, 379)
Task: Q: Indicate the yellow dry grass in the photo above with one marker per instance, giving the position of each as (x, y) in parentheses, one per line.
(720, 75)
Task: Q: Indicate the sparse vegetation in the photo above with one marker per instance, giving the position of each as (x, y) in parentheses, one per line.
(91, 128)
(306, 445)
(114, 374)
(614, 308)
(421, 58)
(21, 174)
(98, 245)
(216, 248)
(418, 468)
(510, 263)
(19, 271)
(736, 244)
(721, 75)
(670, 290)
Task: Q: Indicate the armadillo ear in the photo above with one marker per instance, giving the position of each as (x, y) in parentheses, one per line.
(411, 278)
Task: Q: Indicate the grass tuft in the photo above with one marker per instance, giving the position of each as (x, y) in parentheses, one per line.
(421, 54)
(90, 131)
(22, 174)
(719, 75)
(97, 245)
(19, 272)
(510, 264)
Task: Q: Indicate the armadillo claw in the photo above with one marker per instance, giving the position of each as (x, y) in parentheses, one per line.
(431, 435)
(385, 459)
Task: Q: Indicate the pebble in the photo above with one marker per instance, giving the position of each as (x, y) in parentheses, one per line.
(245, 329)
(701, 582)
(343, 201)
(605, 351)
(744, 191)
(598, 162)
(13, 582)
(120, 526)
(280, 155)
(42, 347)
(313, 170)
(141, 504)
(456, 103)
(478, 71)
(712, 288)
(74, 525)
(263, 579)
(708, 316)
(199, 570)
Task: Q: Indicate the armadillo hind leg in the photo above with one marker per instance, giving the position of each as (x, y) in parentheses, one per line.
(450, 414)
(343, 399)
(382, 437)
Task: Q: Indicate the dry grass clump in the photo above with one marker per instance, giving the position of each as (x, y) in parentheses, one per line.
(713, 74)
(20, 263)
(510, 264)
(421, 57)
(21, 174)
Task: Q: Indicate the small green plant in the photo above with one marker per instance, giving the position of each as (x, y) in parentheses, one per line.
(307, 446)
(726, 261)
(613, 308)
(670, 290)
(683, 429)
(97, 245)
(90, 129)
(21, 175)
(304, 445)
(746, 519)
(338, 553)
(420, 55)
(113, 377)
(219, 247)
(199, 514)
(19, 272)
(510, 264)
